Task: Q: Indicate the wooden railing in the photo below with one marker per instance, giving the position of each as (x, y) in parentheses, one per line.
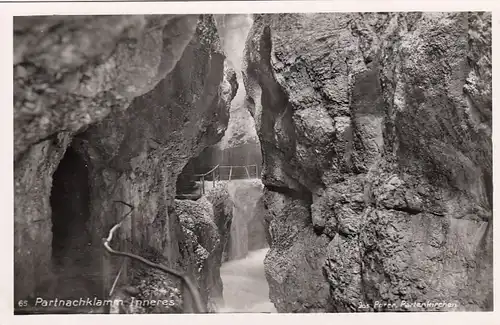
(247, 170)
(215, 172)
(192, 302)
(212, 171)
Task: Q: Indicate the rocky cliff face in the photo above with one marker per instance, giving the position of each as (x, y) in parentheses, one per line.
(135, 97)
(241, 128)
(376, 136)
(203, 246)
(223, 207)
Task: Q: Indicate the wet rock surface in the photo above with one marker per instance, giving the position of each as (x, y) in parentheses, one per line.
(376, 138)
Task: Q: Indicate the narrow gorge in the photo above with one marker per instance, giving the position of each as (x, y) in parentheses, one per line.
(290, 163)
(377, 159)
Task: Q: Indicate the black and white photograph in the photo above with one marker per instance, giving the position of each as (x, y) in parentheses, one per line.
(259, 162)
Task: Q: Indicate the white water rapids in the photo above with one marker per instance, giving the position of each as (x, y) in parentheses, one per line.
(245, 285)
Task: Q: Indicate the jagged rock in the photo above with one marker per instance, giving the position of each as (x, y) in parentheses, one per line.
(258, 228)
(202, 246)
(76, 70)
(150, 292)
(239, 145)
(223, 215)
(136, 97)
(241, 128)
(376, 135)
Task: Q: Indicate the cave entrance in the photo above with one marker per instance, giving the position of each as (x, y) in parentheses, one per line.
(71, 240)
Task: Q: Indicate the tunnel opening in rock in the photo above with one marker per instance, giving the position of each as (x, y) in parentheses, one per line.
(71, 239)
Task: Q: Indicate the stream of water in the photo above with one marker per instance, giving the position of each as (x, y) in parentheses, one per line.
(245, 285)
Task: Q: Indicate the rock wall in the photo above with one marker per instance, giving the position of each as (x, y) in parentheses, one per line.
(239, 145)
(376, 137)
(241, 129)
(203, 246)
(258, 226)
(223, 215)
(205, 225)
(136, 97)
